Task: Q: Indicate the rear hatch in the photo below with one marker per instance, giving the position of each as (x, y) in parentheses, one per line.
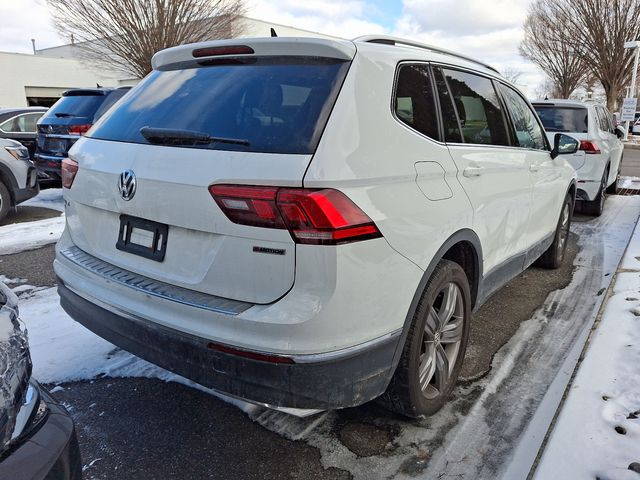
(67, 120)
(15, 365)
(248, 119)
(572, 120)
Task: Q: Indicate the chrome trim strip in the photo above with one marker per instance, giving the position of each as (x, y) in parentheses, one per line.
(153, 287)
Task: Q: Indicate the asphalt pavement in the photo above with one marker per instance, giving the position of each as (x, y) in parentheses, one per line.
(631, 163)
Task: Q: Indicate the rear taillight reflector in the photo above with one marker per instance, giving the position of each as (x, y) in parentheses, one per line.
(589, 146)
(68, 172)
(317, 217)
(223, 50)
(262, 357)
(79, 129)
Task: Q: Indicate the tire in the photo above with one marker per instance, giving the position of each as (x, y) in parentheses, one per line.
(613, 188)
(554, 255)
(435, 345)
(5, 201)
(596, 206)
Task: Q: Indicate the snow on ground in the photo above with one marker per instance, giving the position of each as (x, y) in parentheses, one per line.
(50, 198)
(629, 182)
(597, 434)
(18, 237)
(62, 350)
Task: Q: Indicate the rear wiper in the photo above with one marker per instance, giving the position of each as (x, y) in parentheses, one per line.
(65, 115)
(169, 136)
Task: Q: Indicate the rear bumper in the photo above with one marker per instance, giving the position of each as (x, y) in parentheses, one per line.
(343, 380)
(49, 166)
(50, 452)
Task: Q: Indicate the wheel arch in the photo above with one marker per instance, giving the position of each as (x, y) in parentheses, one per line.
(464, 248)
(9, 180)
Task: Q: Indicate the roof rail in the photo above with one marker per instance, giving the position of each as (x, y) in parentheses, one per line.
(390, 40)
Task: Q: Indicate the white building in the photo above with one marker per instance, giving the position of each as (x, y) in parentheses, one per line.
(40, 79)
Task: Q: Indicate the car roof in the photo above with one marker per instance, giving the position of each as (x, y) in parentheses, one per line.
(22, 110)
(77, 92)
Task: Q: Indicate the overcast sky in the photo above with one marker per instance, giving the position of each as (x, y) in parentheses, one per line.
(488, 30)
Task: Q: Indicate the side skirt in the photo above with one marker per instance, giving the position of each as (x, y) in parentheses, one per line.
(511, 268)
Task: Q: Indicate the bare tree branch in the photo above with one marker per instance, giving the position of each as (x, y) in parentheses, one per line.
(124, 34)
(556, 56)
(596, 31)
(512, 74)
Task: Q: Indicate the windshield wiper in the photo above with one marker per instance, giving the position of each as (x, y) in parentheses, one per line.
(169, 136)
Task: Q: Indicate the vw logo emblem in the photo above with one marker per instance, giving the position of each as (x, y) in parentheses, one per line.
(127, 185)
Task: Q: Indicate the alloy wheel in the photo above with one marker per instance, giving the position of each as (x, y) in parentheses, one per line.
(564, 229)
(441, 339)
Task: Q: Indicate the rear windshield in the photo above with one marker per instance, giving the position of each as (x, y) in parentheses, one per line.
(76, 106)
(273, 105)
(563, 119)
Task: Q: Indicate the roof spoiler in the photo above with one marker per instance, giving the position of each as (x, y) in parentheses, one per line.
(249, 47)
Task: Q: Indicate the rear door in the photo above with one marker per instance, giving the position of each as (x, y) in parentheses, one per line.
(266, 115)
(546, 173)
(22, 128)
(495, 176)
(612, 146)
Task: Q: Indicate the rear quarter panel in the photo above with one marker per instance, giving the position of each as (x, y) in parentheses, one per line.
(377, 161)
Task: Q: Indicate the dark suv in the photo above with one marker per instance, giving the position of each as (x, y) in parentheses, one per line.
(37, 436)
(66, 121)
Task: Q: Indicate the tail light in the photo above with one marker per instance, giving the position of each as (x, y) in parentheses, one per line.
(79, 129)
(589, 146)
(69, 170)
(312, 216)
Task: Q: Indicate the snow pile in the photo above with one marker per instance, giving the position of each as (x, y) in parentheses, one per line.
(597, 434)
(18, 237)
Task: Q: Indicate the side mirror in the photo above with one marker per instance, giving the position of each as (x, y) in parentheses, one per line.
(619, 131)
(564, 145)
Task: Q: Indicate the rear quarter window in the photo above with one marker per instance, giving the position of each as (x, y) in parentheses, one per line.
(275, 105)
(414, 101)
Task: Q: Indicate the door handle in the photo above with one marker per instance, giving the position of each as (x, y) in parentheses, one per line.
(472, 172)
(533, 167)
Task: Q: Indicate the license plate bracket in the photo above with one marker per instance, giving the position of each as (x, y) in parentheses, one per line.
(142, 237)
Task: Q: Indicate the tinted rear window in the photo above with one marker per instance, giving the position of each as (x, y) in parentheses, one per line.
(76, 106)
(278, 105)
(563, 119)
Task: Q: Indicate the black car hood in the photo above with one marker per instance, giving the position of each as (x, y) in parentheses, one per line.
(15, 364)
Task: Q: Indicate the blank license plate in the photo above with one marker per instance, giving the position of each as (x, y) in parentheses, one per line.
(142, 237)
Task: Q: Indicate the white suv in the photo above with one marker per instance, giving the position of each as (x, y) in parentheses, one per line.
(309, 223)
(598, 160)
(18, 176)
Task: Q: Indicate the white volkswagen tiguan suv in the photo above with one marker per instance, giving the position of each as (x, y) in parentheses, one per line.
(598, 160)
(309, 223)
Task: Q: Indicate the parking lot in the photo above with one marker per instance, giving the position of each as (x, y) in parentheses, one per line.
(524, 343)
